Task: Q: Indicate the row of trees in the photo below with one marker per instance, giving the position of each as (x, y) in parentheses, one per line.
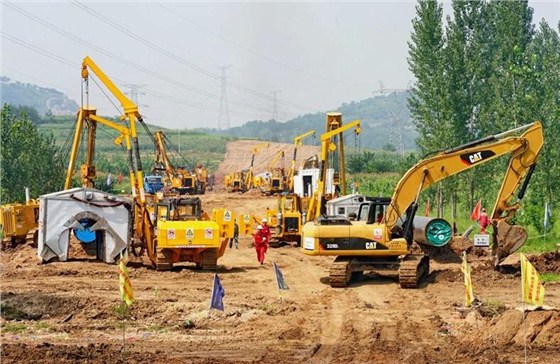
(29, 158)
(484, 70)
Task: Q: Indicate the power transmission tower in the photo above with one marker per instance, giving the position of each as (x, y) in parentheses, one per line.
(275, 105)
(224, 109)
(133, 93)
(395, 126)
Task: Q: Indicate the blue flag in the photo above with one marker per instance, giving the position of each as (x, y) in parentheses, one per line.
(547, 216)
(218, 293)
(280, 278)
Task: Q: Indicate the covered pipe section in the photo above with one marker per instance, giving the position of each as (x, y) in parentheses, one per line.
(432, 231)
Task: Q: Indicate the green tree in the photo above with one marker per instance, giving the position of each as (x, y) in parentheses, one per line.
(426, 64)
(29, 159)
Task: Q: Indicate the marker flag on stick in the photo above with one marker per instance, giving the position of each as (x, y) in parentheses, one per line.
(547, 216)
(476, 211)
(531, 287)
(466, 269)
(218, 293)
(124, 283)
(280, 278)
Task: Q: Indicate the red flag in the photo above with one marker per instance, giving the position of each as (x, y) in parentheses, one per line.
(476, 211)
(428, 208)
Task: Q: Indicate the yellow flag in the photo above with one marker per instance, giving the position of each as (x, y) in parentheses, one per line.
(531, 287)
(124, 283)
(466, 269)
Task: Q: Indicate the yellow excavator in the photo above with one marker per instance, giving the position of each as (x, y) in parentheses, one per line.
(170, 229)
(382, 236)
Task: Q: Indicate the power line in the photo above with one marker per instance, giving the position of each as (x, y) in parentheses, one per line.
(123, 60)
(173, 56)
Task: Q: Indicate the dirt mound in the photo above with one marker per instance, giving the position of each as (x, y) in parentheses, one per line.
(547, 262)
(239, 154)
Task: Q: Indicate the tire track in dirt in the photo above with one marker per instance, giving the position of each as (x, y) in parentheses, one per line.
(332, 325)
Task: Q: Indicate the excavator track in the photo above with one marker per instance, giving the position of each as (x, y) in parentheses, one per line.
(32, 237)
(340, 272)
(164, 260)
(210, 259)
(412, 269)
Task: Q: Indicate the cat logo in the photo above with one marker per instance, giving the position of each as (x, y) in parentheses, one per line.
(227, 216)
(475, 157)
(189, 234)
(370, 245)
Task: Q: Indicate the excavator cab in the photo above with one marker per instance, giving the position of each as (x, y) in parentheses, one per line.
(373, 210)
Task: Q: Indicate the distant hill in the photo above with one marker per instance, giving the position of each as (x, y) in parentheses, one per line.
(40, 98)
(386, 124)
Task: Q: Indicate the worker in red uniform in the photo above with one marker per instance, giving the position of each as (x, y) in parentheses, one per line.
(261, 243)
(266, 231)
(483, 221)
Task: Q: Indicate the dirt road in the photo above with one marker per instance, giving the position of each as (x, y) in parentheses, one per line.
(64, 312)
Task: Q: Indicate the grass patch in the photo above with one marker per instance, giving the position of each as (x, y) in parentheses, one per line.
(42, 325)
(157, 328)
(14, 328)
(549, 277)
(491, 308)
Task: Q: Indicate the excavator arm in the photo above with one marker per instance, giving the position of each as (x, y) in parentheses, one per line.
(524, 150)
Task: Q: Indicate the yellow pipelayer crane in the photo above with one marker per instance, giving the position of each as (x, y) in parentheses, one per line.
(179, 179)
(292, 209)
(243, 181)
(276, 181)
(298, 141)
(174, 229)
(385, 244)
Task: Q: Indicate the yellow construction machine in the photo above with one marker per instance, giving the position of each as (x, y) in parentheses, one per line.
(18, 222)
(292, 210)
(244, 181)
(298, 141)
(382, 237)
(275, 180)
(178, 179)
(170, 229)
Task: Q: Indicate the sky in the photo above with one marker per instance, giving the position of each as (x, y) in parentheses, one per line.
(216, 64)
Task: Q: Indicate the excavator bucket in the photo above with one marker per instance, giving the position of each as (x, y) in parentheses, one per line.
(507, 239)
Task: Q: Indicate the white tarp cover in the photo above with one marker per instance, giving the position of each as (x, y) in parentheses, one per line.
(60, 212)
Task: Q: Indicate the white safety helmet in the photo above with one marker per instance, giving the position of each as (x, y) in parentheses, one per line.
(264, 221)
(259, 227)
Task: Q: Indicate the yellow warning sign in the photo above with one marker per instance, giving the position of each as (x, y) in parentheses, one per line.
(189, 234)
(246, 219)
(227, 216)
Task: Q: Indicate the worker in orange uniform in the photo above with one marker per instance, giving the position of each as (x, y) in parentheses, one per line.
(261, 243)
(483, 221)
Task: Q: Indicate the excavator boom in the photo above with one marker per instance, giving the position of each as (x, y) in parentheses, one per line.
(523, 149)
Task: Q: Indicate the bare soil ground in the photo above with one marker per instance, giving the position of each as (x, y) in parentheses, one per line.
(63, 312)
